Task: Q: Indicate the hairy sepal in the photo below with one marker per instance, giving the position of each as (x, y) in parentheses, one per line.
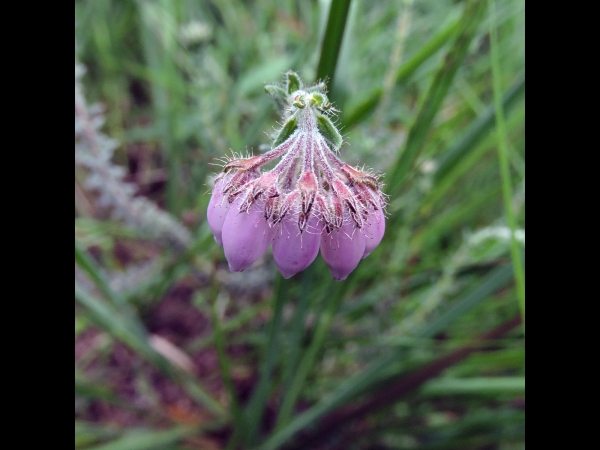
(293, 82)
(286, 131)
(332, 136)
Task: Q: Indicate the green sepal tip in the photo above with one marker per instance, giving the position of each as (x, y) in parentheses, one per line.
(286, 131)
(293, 82)
(329, 132)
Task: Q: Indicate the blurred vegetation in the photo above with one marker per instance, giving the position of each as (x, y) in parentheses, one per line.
(422, 347)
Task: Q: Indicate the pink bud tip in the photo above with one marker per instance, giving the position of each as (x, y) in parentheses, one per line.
(374, 230)
(218, 206)
(342, 250)
(294, 251)
(246, 235)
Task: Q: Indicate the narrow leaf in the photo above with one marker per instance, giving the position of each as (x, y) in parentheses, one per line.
(469, 23)
(368, 103)
(477, 130)
(503, 160)
(332, 40)
(146, 440)
(286, 131)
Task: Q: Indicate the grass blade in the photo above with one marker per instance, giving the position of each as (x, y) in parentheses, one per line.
(361, 382)
(366, 105)
(308, 359)
(427, 51)
(224, 363)
(297, 326)
(87, 434)
(91, 268)
(256, 406)
(157, 35)
(125, 328)
(332, 40)
(438, 89)
(91, 390)
(504, 164)
(478, 129)
(387, 394)
(476, 386)
(147, 440)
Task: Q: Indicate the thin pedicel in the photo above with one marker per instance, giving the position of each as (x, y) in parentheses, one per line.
(310, 201)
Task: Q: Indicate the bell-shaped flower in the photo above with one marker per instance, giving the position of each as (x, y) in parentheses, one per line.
(342, 250)
(218, 207)
(295, 250)
(246, 234)
(374, 231)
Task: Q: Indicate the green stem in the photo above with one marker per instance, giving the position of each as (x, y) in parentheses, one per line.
(504, 163)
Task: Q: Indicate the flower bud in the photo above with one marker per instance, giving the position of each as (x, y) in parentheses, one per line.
(246, 234)
(342, 250)
(294, 251)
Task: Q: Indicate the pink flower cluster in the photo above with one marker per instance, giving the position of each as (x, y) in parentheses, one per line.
(310, 200)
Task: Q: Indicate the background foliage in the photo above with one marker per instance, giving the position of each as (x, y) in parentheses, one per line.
(422, 346)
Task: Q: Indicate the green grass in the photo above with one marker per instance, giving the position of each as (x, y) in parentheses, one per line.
(274, 361)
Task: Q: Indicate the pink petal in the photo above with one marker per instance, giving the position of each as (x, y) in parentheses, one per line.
(218, 206)
(342, 250)
(373, 231)
(246, 235)
(294, 251)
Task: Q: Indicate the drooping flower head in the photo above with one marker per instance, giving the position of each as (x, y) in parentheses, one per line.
(310, 201)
